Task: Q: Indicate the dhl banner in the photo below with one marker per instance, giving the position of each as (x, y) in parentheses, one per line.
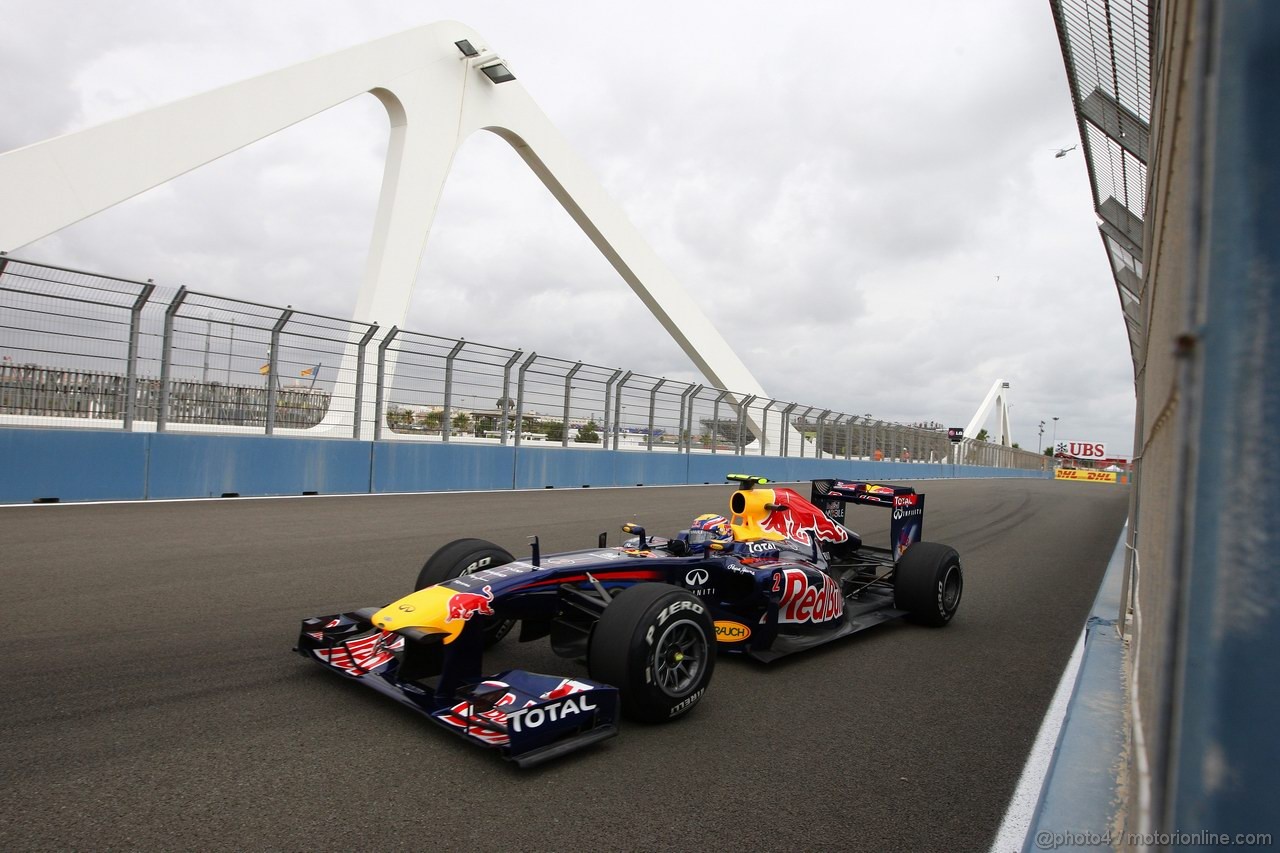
(1079, 474)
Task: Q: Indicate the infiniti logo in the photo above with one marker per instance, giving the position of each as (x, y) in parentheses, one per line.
(697, 577)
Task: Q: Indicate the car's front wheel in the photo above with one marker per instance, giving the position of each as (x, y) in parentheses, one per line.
(656, 644)
(465, 557)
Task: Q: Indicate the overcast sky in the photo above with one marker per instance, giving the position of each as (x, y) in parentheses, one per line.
(863, 196)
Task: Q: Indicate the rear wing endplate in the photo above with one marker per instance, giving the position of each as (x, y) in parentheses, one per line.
(907, 525)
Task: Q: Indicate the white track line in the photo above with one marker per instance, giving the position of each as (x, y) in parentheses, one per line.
(1022, 808)
(146, 501)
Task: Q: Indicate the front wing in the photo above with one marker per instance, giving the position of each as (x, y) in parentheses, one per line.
(527, 716)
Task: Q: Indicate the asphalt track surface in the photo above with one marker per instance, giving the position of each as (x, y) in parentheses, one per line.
(151, 701)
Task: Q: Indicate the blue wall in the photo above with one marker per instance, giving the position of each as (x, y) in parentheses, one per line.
(81, 465)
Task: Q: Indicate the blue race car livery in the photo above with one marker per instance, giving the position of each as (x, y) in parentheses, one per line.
(777, 574)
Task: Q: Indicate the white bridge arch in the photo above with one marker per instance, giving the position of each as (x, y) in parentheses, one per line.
(435, 98)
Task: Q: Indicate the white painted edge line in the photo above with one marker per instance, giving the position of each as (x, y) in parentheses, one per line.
(442, 493)
(1012, 835)
(542, 490)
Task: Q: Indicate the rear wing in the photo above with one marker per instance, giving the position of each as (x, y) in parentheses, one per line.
(907, 525)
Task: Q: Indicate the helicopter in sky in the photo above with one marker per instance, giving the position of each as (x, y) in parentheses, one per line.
(1062, 152)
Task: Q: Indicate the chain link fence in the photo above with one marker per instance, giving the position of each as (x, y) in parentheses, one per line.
(88, 350)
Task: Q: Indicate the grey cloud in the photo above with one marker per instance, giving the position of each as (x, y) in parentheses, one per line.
(837, 186)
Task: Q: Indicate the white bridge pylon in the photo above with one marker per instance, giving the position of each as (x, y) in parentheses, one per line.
(435, 97)
(998, 399)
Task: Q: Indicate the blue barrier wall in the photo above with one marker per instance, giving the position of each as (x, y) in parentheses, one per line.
(184, 466)
(81, 465)
(415, 467)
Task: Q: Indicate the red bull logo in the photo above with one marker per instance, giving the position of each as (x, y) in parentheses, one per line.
(803, 601)
(464, 605)
(876, 489)
(799, 518)
(910, 533)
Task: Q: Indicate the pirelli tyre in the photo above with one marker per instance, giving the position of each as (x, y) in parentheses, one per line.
(465, 557)
(656, 643)
(928, 582)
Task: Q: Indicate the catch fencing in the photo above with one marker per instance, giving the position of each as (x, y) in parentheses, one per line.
(89, 350)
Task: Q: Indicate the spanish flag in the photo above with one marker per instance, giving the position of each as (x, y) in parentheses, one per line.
(310, 371)
(265, 369)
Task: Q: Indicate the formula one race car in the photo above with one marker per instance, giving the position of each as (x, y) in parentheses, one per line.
(779, 575)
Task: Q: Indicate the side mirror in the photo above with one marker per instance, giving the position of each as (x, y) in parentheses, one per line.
(636, 530)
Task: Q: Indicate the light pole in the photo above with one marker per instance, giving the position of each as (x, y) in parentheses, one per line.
(1055, 435)
(1040, 443)
(231, 347)
(204, 373)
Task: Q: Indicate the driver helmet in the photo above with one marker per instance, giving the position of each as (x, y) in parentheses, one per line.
(708, 528)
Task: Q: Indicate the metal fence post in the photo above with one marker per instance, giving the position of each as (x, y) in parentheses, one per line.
(524, 368)
(715, 420)
(357, 412)
(506, 388)
(764, 425)
(617, 407)
(131, 358)
(446, 411)
(740, 449)
(693, 402)
(786, 428)
(273, 359)
(805, 419)
(568, 397)
(836, 432)
(681, 435)
(166, 359)
(608, 408)
(822, 432)
(380, 388)
(653, 405)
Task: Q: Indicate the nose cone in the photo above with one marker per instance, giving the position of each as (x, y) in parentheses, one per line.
(426, 609)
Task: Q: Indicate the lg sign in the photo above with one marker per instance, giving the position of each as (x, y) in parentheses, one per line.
(1081, 449)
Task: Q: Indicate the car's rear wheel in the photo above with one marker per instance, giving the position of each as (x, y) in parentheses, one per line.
(928, 582)
(465, 557)
(656, 644)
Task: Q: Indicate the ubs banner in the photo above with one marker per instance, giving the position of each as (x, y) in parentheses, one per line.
(1081, 449)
